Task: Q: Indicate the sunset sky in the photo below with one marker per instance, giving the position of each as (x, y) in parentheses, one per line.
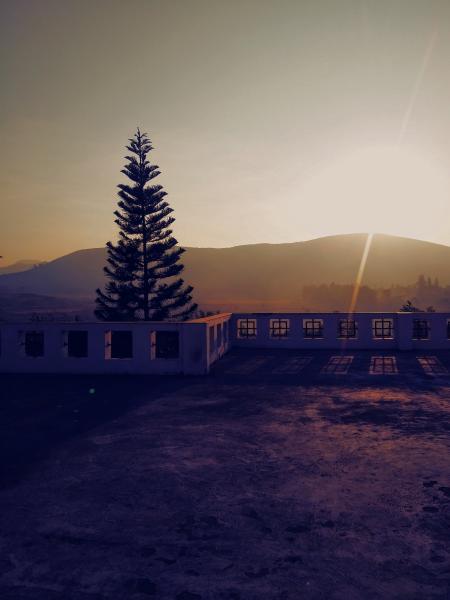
(273, 121)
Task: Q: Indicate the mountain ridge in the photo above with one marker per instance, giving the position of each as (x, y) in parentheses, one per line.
(249, 273)
(19, 266)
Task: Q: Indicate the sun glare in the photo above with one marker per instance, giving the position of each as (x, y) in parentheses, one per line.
(382, 190)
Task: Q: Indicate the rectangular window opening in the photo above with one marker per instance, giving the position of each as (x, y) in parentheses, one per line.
(383, 329)
(34, 344)
(121, 344)
(77, 344)
(246, 328)
(421, 329)
(313, 328)
(347, 329)
(167, 344)
(279, 328)
(211, 339)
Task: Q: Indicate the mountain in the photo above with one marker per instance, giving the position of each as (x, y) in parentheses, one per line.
(21, 307)
(256, 276)
(75, 274)
(19, 266)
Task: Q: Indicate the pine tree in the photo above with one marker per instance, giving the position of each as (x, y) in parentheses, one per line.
(144, 265)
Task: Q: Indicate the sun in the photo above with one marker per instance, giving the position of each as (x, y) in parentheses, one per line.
(382, 190)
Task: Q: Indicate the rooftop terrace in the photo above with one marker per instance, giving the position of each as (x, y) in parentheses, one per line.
(263, 479)
(192, 347)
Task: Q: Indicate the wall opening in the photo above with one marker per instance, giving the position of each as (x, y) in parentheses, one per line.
(246, 328)
(77, 344)
(211, 339)
(120, 344)
(421, 329)
(347, 329)
(167, 344)
(279, 328)
(313, 328)
(383, 329)
(34, 344)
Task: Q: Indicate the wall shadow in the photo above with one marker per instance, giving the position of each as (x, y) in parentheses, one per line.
(40, 412)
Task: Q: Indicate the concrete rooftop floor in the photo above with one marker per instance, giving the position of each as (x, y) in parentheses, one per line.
(270, 478)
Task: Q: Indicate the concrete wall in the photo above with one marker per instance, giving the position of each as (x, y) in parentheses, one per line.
(196, 352)
(218, 335)
(402, 338)
(203, 341)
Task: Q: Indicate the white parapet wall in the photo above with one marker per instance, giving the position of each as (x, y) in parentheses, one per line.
(189, 347)
(335, 331)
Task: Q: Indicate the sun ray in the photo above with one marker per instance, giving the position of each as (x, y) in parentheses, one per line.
(357, 286)
(359, 276)
(418, 82)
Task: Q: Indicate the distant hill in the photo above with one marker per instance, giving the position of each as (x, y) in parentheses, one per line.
(259, 275)
(75, 274)
(25, 307)
(19, 266)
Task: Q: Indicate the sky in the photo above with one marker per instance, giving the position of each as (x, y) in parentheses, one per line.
(273, 121)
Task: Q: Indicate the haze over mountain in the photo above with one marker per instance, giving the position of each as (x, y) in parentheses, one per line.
(256, 275)
(19, 266)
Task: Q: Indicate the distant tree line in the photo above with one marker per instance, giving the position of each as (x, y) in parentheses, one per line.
(424, 294)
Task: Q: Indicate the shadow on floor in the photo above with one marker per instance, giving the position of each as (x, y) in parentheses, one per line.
(39, 412)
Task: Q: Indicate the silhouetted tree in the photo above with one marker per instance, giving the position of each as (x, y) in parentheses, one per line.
(409, 307)
(144, 265)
